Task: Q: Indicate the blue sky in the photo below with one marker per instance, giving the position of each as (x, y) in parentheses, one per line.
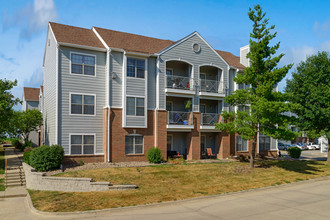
(303, 27)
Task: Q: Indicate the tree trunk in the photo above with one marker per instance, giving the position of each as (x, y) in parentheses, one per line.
(328, 160)
(254, 144)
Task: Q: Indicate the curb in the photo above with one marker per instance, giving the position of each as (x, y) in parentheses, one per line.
(13, 196)
(119, 209)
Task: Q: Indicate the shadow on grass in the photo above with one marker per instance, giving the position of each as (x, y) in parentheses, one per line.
(299, 166)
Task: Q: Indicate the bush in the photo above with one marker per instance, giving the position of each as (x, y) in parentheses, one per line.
(154, 155)
(16, 142)
(46, 158)
(26, 155)
(294, 152)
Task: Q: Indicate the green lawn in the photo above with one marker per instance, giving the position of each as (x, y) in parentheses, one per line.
(176, 182)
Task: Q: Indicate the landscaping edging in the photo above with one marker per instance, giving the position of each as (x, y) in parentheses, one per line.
(39, 181)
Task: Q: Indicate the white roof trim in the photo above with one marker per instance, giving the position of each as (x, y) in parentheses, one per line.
(51, 30)
(212, 48)
(177, 43)
(100, 38)
(186, 38)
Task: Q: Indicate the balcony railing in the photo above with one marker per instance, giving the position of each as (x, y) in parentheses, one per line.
(211, 86)
(179, 118)
(178, 82)
(209, 119)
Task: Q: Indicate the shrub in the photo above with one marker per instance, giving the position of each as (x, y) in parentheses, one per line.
(26, 155)
(294, 152)
(154, 155)
(46, 158)
(16, 142)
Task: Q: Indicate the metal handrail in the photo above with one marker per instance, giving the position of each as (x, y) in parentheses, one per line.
(214, 86)
(179, 82)
(179, 118)
(210, 118)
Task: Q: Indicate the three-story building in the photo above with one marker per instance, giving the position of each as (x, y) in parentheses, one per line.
(110, 96)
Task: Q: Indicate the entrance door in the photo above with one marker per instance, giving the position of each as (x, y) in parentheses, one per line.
(203, 82)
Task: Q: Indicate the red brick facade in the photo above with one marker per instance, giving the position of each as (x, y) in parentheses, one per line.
(225, 143)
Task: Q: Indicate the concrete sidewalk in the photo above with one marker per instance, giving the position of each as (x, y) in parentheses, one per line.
(302, 200)
(14, 170)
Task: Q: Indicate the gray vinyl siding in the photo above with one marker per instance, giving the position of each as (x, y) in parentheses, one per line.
(135, 121)
(73, 83)
(135, 86)
(152, 83)
(116, 66)
(49, 82)
(184, 52)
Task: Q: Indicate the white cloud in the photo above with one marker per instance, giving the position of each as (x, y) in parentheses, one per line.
(35, 79)
(322, 29)
(32, 18)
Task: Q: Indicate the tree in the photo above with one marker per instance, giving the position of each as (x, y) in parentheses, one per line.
(7, 102)
(26, 122)
(310, 88)
(266, 106)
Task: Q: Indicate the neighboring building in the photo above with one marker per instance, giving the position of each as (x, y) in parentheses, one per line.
(31, 101)
(110, 96)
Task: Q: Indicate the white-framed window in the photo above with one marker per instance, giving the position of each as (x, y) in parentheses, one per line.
(243, 108)
(83, 64)
(135, 67)
(264, 142)
(82, 104)
(133, 144)
(135, 106)
(241, 144)
(82, 144)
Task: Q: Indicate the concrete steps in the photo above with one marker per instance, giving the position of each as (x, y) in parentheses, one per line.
(15, 177)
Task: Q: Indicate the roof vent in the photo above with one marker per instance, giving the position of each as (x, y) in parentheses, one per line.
(196, 47)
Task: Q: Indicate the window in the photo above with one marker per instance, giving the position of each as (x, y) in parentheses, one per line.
(243, 108)
(133, 144)
(264, 143)
(241, 144)
(135, 68)
(135, 106)
(169, 106)
(82, 104)
(82, 144)
(83, 64)
(169, 142)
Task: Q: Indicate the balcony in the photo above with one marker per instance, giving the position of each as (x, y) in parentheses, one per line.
(211, 86)
(180, 120)
(208, 121)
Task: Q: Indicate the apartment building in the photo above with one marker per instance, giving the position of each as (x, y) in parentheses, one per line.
(31, 100)
(110, 96)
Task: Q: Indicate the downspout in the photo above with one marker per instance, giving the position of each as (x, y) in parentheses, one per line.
(157, 100)
(108, 100)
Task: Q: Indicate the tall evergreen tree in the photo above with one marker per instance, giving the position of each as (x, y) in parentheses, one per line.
(310, 87)
(266, 106)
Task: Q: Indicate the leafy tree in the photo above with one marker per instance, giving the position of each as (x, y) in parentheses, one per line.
(7, 102)
(25, 122)
(265, 105)
(310, 88)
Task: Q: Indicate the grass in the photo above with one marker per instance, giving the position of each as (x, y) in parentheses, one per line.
(175, 182)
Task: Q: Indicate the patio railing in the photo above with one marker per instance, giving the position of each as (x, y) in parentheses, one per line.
(178, 82)
(179, 118)
(211, 86)
(210, 118)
